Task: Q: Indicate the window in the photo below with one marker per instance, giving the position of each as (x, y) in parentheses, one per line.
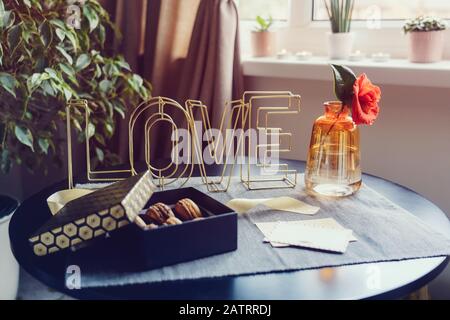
(389, 10)
(249, 9)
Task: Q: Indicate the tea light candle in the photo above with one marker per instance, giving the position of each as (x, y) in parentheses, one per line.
(357, 56)
(303, 55)
(380, 57)
(283, 54)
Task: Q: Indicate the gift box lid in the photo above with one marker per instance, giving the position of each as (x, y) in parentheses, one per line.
(94, 215)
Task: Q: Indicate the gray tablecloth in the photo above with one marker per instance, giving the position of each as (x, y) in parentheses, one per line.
(385, 232)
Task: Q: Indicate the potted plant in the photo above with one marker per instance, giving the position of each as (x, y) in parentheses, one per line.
(262, 39)
(340, 39)
(46, 61)
(426, 39)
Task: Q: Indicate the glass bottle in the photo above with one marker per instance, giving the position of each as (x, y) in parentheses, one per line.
(332, 167)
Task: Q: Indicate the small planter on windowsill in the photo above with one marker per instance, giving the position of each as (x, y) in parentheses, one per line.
(426, 39)
(263, 40)
(340, 39)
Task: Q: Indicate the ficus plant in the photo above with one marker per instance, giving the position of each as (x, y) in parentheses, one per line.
(45, 62)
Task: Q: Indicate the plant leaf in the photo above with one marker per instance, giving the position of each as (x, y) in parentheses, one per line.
(14, 37)
(83, 62)
(9, 83)
(91, 16)
(5, 161)
(344, 78)
(44, 144)
(46, 33)
(105, 86)
(60, 34)
(100, 154)
(24, 135)
(65, 54)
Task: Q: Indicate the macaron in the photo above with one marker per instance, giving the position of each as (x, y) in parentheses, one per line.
(186, 209)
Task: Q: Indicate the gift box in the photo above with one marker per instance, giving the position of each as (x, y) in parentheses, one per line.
(94, 215)
(135, 249)
(107, 226)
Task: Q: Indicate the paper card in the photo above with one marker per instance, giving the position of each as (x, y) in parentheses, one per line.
(334, 240)
(281, 203)
(267, 227)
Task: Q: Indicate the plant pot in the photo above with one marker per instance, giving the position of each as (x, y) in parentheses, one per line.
(263, 43)
(9, 268)
(340, 45)
(426, 46)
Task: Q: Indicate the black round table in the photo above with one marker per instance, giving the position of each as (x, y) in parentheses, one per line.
(395, 279)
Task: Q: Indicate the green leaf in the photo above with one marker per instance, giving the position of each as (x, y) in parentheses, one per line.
(91, 130)
(61, 34)
(58, 23)
(14, 37)
(136, 82)
(91, 16)
(123, 65)
(5, 161)
(262, 22)
(344, 78)
(34, 81)
(9, 83)
(27, 3)
(24, 135)
(70, 72)
(6, 18)
(102, 35)
(119, 107)
(100, 154)
(65, 54)
(83, 62)
(48, 89)
(44, 144)
(105, 86)
(67, 93)
(73, 39)
(46, 33)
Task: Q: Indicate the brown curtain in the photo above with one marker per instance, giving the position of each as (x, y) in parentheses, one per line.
(187, 49)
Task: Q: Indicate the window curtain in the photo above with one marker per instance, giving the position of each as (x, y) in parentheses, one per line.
(187, 49)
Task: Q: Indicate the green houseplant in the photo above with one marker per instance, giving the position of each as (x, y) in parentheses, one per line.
(44, 62)
(340, 40)
(263, 40)
(426, 39)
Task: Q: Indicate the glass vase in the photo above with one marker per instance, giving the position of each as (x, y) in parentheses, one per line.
(332, 167)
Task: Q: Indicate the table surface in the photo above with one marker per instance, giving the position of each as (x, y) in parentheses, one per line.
(376, 280)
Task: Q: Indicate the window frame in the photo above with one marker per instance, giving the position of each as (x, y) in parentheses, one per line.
(292, 35)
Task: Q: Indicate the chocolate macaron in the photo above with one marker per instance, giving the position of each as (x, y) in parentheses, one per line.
(186, 209)
(159, 213)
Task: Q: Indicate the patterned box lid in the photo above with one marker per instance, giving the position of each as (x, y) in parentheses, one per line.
(94, 215)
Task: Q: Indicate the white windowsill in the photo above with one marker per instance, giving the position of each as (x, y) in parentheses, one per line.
(394, 72)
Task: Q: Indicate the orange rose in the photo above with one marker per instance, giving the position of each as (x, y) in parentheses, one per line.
(365, 101)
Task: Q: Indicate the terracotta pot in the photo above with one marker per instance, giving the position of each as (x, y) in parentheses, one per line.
(340, 45)
(426, 46)
(263, 43)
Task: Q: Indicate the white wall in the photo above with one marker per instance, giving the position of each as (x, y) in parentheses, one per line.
(409, 144)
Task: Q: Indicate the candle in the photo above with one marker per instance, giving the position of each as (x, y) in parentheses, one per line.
(380, 57)
(357, 56)
(283, 54)
(303, 55)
